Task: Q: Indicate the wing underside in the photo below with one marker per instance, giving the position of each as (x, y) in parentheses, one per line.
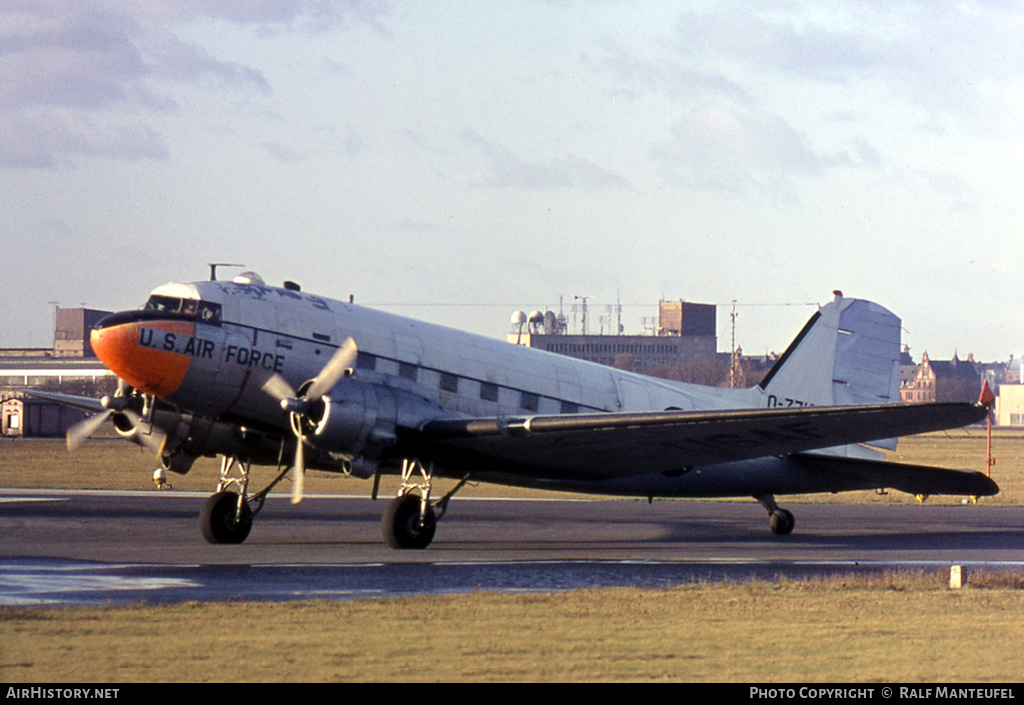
(606, 446)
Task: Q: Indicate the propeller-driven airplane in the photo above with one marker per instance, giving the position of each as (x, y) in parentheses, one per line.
(267, 375)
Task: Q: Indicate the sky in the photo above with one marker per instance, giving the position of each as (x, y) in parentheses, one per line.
(457, 160)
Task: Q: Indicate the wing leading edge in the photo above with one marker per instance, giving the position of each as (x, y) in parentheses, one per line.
(605, 446)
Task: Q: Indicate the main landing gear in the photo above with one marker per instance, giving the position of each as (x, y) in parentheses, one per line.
(410, 520)
(780, 521)
(226, 516)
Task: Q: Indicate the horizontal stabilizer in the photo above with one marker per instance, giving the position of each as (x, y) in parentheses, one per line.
(853, 474)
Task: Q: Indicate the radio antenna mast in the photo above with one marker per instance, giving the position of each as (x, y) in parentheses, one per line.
(214, 265)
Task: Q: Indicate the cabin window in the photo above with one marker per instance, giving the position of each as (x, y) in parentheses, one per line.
(488, 391)
(449, 383)
(529, 401)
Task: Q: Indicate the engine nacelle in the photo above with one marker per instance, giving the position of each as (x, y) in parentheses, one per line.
(179, 439)
(360, 419)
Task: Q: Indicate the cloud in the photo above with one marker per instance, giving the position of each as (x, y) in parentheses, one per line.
(85, 78)
(283, 154)
(940, 57)
(505, 169)
(724, 148)
(48, 138)
(268, 15)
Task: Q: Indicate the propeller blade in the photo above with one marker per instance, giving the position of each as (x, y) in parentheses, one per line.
(343, 359)
(299, 472)
(277, 387)
(78, 433)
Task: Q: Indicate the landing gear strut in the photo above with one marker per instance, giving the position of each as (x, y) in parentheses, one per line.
(226, 516)
(410, 520)
(780, 521)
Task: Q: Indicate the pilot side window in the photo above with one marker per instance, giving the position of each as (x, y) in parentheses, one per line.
(366, 361)
(209, 313)
(407, 370)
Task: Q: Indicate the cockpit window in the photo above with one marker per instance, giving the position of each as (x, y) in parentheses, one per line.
(202, 311)
(166, 304)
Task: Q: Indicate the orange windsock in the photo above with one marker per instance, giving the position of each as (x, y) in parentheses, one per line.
(987, 398)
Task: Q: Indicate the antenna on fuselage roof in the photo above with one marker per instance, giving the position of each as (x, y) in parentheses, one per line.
(214, 265)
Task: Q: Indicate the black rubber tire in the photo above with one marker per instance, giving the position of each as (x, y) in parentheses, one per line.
(401, 524)
(782, 522)
(217, 519)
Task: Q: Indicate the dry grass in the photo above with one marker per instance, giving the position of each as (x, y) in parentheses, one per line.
(888, 628)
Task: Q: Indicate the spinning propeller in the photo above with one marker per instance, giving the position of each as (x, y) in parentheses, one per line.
(120, 403)
(299, 408)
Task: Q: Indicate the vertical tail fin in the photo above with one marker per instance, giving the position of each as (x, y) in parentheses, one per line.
(848, 353)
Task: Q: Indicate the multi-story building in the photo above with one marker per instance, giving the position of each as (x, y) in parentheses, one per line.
(686, 332)
(942, 380)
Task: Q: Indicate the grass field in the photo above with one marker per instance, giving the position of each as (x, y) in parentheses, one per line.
(902, 628)
(896, 628)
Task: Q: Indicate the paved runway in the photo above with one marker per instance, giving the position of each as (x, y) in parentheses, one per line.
(95, 547)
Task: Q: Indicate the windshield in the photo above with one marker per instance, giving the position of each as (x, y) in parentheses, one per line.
(203, 311)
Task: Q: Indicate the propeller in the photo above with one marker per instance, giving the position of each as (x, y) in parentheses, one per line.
(342, 361)
(81, 431)
(120, 403)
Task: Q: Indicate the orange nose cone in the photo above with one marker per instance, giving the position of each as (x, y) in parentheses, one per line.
(143, 353)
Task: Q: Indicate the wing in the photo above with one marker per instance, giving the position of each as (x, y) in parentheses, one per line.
(72, 400)
(604, 446)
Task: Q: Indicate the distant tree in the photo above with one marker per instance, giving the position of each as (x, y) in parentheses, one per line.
(710, 373)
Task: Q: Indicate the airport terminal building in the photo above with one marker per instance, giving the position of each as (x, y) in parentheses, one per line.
(68, 366)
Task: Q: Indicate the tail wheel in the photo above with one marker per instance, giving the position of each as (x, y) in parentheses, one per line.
(405, 526)
(222, 521)
(782, 521)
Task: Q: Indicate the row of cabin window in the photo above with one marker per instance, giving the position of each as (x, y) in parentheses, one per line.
(528, 401)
